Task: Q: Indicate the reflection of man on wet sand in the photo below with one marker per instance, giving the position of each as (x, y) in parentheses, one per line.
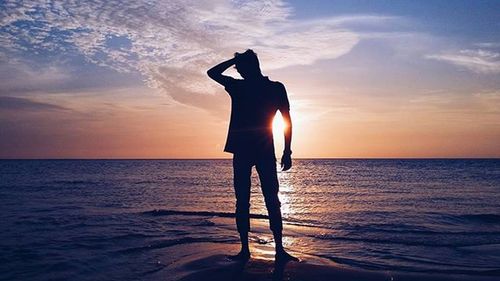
(255, 100)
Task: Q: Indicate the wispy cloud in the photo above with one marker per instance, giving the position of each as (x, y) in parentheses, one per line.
(172, 43)
(19, 104)
(477, 60)
(19, 77)
(480, 104)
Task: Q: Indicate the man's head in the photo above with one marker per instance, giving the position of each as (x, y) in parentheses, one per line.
(247, 64)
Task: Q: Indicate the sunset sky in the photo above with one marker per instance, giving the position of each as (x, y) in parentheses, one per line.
(127, 79)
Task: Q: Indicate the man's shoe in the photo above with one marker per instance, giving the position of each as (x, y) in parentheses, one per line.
(241, 256)
(284, 257)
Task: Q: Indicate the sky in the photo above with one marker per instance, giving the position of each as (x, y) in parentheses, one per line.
(365, 79)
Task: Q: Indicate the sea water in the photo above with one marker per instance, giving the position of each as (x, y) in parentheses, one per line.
(115, 219)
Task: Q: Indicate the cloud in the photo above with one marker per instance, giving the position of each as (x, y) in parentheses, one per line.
(177, 39)
(17, 104)
(477, 60)
(490, 100)
(19, 77)
(480, 104)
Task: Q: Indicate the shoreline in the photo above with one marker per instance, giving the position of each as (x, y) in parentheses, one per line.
(208, 261)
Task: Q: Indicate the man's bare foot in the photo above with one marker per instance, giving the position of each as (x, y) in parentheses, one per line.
(241, 256)
(284, 257)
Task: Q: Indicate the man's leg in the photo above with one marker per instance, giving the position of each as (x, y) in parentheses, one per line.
(269, 184)
(242, 169)
(266, 167)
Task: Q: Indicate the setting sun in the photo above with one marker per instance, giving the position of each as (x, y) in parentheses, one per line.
(278, 125)
(278, 131)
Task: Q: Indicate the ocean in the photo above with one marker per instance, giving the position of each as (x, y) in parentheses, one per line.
(118, 219)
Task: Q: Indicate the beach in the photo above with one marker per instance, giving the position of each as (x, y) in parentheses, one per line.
(209, 261)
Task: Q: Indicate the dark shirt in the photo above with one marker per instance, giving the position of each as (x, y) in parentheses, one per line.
(254, 105)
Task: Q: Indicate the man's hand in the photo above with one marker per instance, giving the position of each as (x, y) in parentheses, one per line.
(286, 161)
(216, 72)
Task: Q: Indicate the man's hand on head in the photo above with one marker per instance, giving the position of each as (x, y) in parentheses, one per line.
(286, 161)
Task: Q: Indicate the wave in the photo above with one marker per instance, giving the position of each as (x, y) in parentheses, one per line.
(467, 219)
(175, 242)
(482, 218)
(287, 220)
(374, 266)
(400, 229)
(70, 182)
(199, 213)
(385, 228)
(414, 242)
(146, 182)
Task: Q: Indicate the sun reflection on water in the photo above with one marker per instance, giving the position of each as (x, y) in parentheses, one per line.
(286, 189)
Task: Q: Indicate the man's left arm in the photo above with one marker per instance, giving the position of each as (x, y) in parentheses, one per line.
(286, 159)
(284, 108)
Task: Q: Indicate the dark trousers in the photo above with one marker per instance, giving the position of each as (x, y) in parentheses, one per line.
(266, 168)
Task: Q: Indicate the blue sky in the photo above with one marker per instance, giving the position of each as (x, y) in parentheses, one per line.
(127, 78)
(474, 20)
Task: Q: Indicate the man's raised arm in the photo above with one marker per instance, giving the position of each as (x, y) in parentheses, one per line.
(216, 72)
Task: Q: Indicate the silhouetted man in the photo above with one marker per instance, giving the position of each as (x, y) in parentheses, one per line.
(255, 101)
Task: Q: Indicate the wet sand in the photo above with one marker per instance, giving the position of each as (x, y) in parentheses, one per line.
(208, 261)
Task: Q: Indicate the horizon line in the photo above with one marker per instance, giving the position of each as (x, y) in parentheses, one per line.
(277, 158)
